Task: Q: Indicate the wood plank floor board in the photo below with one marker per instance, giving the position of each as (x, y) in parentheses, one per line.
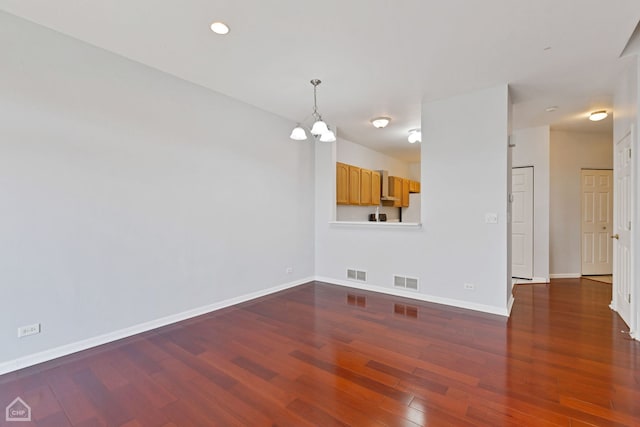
(325, 355)
(203, 405)
(135, 402)
(354, 408)
(358, 363)
(43, 402)
(79, 409)
(111, 410)
(353, 377)
(523, 413)
(317, 416)
(144, 383)
(58, 419)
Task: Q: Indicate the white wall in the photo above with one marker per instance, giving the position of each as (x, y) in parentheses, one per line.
(532, 149)
(129, 195)
(363, 157)
(464, 162)
(414, 171)
(571, 152)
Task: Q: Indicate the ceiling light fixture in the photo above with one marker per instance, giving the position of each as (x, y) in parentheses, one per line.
(380, 122)
(551, 109)
(220, 28)
(319, 128)
(415, 135)
(596, 116)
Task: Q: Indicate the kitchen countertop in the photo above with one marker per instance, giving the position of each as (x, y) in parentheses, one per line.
(383, 224)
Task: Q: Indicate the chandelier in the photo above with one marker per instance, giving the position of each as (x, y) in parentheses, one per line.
(319, 129)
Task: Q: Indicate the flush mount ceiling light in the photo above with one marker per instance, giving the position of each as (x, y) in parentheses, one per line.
(220, 28)
(551, 109)
(319, 129)
(380, 122)
(415, 135)
(596, 116)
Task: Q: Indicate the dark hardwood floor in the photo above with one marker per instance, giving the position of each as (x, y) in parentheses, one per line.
(326, 355)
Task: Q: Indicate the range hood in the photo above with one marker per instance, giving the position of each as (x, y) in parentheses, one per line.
(384, 187)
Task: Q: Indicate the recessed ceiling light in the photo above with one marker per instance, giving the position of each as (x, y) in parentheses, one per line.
(551, 109)
(596, 116)
(381, 122)
(220, 28)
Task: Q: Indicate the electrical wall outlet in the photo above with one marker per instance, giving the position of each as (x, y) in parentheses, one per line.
(469, 286)
(289, 270)
(24, 331)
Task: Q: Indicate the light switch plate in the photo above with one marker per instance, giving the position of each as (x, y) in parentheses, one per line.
(491, 218)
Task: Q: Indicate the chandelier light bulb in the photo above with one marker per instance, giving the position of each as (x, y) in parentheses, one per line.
(298, 134)
(328, 136)
(319, 128)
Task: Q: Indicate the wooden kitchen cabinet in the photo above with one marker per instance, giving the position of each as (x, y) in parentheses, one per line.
(375, 188)
(395, 190)
(354, 185)
(342, 184)
(357, 186)
(414, 186)
(405, 193)
(365, 187)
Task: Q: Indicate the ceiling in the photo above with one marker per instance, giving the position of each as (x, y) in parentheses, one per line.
(375, 57)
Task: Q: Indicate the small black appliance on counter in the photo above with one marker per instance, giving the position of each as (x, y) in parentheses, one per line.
(381, 217)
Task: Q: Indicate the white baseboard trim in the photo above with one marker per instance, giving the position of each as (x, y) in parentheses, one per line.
(418, 296)
(54, 353)
(565, 276)
(510, 304)
(633, 334)
(531, 281)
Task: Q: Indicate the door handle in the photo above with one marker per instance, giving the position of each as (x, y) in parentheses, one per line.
(615, 236)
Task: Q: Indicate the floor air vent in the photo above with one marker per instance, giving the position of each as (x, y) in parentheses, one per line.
(403, 282)
(357, 275)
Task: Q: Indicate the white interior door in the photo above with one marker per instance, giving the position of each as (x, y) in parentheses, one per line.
(622, 229)
(522, 223)
(597, 222)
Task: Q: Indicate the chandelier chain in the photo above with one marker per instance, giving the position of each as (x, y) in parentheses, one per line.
(315, 83)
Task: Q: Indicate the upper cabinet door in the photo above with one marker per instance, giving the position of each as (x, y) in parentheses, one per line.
(342, 184)
(395, 190)
(365, 187)
(375, 188)
(354, 185)
(405, 193)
